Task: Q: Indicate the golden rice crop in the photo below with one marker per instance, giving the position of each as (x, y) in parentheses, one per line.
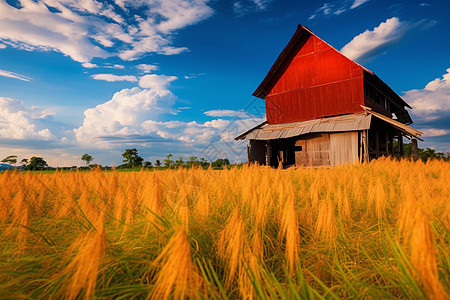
(377, 230)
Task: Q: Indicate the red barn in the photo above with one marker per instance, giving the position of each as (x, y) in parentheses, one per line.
(324, 109)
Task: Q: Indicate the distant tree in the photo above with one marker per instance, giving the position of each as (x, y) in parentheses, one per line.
(168, 162)
(132, 159)
(24, 162)
(193, 161)
(37, 163)
(203, 162)
(12, 159)
(179, 162)
(425, 154)
(148, 164)
(87, 158)
(158, 163)
(219, 163)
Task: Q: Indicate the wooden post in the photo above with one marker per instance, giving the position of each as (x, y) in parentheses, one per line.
(400, 141)
(361, 147)
(248, 154)
(387, 143)
(269, 153)
(377, 142)
(366, 146)
(414, 150)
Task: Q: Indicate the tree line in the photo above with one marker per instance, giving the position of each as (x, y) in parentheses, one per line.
(131, 160)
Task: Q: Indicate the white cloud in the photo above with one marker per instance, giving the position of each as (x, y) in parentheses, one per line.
(23, 123)
(432, 102)
(14, 75)
(369, 44)
(89, 65)
(243, 7)
(132, 118)
(226, 113)
(431, 132)
(2, 46)
(328, 9)
(147, 68)
(357, 3)
(113, 78)
(156, 82)
(124, 113)
(89, 29)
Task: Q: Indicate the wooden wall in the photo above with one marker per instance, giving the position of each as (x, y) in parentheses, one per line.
(315, 150)
(327, 149)
(343, 148)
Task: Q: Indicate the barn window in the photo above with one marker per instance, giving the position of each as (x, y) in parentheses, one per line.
(298, 148)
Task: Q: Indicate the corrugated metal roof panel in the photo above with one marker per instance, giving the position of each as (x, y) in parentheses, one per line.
(351, 122)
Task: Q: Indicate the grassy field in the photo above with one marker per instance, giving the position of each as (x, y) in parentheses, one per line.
(378, 230)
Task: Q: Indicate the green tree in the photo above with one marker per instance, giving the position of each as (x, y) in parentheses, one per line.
(37, 163)
(193, 161)
(87, 158)
(148, 164)
(168, 162)
(219, 163)
(179, 162)
(158, 163)
(24, 162)
(12, 159)
(132, 159)
(203, 162)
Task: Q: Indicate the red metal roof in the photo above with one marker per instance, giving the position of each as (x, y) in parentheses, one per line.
(311, 79)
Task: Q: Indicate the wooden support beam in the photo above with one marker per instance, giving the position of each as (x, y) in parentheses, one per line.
(414, 150)
(400, 141)
(360, 147)
(377, 143)
(387, 143)
(248, 154)
(269, 154)
(365, 145)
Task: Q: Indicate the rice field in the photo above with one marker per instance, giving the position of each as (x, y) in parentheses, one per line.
(377, 230)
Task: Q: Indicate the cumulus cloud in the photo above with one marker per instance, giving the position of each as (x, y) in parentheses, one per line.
(14, 75)
(371, 43)
(124, 113)
(156, 82)
(431, 111)
(89, 29)
(113, 78)
(133, 118)
(23, 123)
(145, 68)
(432, 102)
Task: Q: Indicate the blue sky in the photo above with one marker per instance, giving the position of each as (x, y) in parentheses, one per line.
(177, 76)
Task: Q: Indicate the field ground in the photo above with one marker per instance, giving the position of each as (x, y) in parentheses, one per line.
(378, 230)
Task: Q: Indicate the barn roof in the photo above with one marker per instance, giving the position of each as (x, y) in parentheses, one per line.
(350, 122)
(287, 55)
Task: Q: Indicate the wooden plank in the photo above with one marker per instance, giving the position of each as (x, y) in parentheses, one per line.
(377, 142)
(343, 148)
(300, 155)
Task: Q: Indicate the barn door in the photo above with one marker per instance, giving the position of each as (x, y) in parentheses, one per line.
(300, 153)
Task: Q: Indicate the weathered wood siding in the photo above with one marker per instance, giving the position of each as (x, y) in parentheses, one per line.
(343, 148)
